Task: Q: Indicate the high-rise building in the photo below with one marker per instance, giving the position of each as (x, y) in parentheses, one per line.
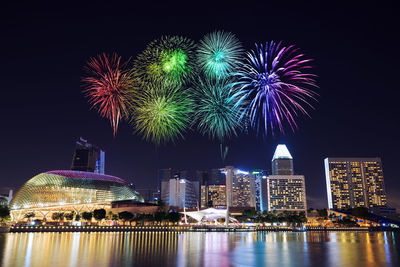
(180, 193)
(282, 161)
(285, 191)
(217, 177)
(213, 196)
(240, 188)
(202, 177)
(354, 182)
(162, 175)
(261, 189)
(88, 157)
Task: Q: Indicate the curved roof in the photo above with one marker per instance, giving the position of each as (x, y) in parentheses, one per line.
(88, 175)
(65, 187)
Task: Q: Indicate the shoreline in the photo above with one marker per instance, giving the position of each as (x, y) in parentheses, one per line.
(39, 229)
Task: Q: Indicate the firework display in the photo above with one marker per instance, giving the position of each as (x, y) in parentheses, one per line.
(219, 53)
(161, 114)
(169, 60)
(219, 107)
(175, 84)
(277, 85)
(107, 87)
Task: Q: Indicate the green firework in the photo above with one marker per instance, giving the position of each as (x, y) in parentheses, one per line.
(161, 114)
(219, 54)
(169, 60)
(219, 108)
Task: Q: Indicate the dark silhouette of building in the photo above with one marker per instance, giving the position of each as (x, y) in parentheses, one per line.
(88, 157)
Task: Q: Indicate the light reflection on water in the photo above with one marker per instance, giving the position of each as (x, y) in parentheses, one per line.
(200, 249)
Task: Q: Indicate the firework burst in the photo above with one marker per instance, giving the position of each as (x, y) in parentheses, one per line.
(169, 60)
(219, 53)
(161, 114)
(218, 109)
(277, 85)
(107, 87)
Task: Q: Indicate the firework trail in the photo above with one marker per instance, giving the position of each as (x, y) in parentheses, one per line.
(277, 86)
(107, 87)
(169, 60)
(219, 54)
(161, 114)
(219, 107)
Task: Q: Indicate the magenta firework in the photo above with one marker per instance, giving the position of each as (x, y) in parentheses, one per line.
(278, 86)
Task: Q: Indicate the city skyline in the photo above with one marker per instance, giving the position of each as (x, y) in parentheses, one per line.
(51, 104)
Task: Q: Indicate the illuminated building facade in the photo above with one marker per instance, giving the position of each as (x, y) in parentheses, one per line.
(354, 182)
(240, 188)
(213, 196)
(88, 158)
(260, 181)
(282, 161)
(180, 193)
(286, 192)
(66, 190)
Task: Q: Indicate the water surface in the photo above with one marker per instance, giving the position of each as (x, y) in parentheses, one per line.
(200, 249)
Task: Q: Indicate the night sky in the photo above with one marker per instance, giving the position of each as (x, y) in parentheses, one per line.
(43, 110)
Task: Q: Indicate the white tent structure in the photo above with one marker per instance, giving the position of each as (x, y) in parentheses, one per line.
(210, 214)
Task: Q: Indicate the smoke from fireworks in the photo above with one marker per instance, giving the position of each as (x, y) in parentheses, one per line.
(219, 53)
(218, 108)
(162, 114)
(277, 85)
(107, 87)
(169, 60)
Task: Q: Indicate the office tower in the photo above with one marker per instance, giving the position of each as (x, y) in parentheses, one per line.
(282, 161)
(180, 193)
(217, 177)
(240, 188)
(202, 177)
(162, 175)
(354, 182)
(261, 190)
(285, 191)
(213, 196)
(88, 157)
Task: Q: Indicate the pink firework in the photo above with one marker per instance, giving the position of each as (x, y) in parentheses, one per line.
(107, 86)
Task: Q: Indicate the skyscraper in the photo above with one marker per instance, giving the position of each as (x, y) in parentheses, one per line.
(282, 161)
(261, 190)
(354, 182)
(180, 193)
(88, 157)
(162, 175)
(217, 177)
(240, 188)
(202, 177)
(213, 196)
(285, 191)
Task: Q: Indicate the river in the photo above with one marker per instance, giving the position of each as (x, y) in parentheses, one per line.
(201, 249)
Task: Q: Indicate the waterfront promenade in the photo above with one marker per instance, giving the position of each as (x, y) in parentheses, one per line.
(93, 228)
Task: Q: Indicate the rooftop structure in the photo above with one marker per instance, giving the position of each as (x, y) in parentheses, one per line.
(282, 161)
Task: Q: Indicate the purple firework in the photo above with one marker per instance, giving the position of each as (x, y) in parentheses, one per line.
(277, 85)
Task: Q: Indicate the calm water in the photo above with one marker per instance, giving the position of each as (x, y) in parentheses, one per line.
(200, 249)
